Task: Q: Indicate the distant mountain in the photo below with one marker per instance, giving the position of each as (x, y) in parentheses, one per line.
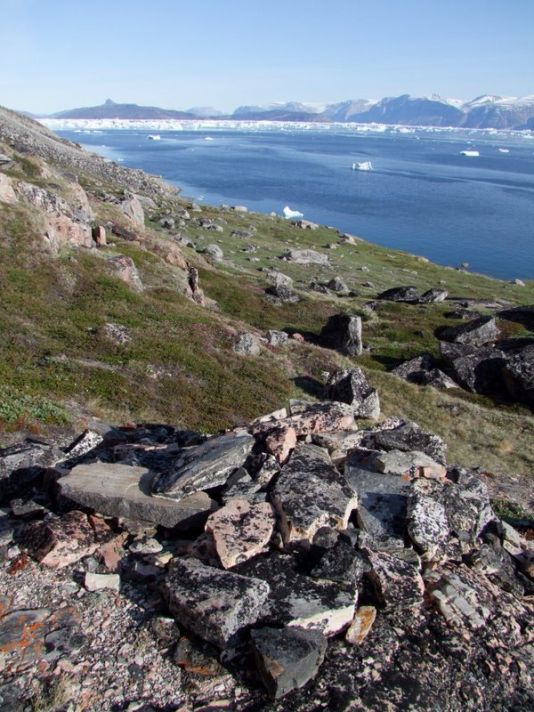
(485, 111)
(110, 110)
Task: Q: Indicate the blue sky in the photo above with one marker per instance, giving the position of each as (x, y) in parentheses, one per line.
(57, 54)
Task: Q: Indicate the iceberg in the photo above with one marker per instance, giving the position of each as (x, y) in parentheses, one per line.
(471, 153)
(288, 213)
(154, 137)
(504, 150)
(362, 166)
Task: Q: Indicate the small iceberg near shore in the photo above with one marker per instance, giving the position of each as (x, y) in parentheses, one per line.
(471, 153)
(362, 166)
(154, 137)
(288, 213)
(504, 150)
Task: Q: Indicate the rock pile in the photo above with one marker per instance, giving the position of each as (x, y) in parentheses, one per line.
(300, 551)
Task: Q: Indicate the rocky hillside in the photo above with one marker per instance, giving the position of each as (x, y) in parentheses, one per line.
(352, 549)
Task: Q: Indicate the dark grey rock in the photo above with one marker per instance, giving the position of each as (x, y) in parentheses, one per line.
(287, 658)
(474, 333)
(311, 493)
(406, 437)
(518, 375)
(523, 315)
(341, 563)
(397, 582)
(337, 284)
(343, 332)
(382, 504)
(119, 490)
(400, 294)
(481, 371)
(410, 370)
(21, 466)
(351, 386)
(204, 466)
(213, 604)
(299, 601)
(282, 294)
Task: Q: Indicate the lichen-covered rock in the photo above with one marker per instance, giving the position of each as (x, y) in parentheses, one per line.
(398, 583)
(407, 436)
(351, 386)
(124, 268)
(22, 464)
(248, 344)
(204, 466)
(300, 601)
(343, 332)
(475, 333)
(309, 419)
(309, 494)
(306, 257)
(212, 603)
(287, 658)
(412, 463)
(400, 294)
(7, 192)
(241, 530)
(462, 597)
(132, 208)
(428, 525)
(433, 296)
(519, 375)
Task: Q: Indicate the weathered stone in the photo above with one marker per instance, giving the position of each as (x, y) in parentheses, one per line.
(7, 192)
(312, 418)
(145, 545)
(278, 277)
(133, 210)
(341, 563)
(480, 371)
(204, 466)
(398, 583)
(212, 603)
(100, 582)
(124, 491)
(85, 442)
(21, 466)
(309, 494)
(428, 524)
(460, 596)
(248, 345)
(287, 658)
(215, 252)
(280, 294)
(475, 333)
(409, 436)
(124, 268)
(408, 464)
(351, 386)
(518, 375)
(241, 530)
(306, 257)
(523, 315)
(400, 294)
(433, 296)
(280, 442)
(59, 541)
(420, 370)
(343, 332)
(382, 503)
(277, 338)
(361, 625)
(338, 284)
(467, 505)
(340, 441)
(298, 601)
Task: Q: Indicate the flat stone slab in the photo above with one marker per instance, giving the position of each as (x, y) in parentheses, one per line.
(300, 601)
(241, 530)
(212, 603)
(408, 464)
(311, 493)
(287, 658)
(204, 466)
(124, 491)
(382, 504)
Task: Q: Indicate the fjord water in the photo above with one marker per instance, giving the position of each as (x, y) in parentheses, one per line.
(422, 195)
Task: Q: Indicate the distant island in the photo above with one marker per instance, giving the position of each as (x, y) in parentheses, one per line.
(483, 112)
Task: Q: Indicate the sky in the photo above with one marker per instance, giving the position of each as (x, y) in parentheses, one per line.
(61, 54)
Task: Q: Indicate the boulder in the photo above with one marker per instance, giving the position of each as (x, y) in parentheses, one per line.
(433, 296)
(351, 386)
(481, 371)
(124, 268)
(248, 344)
(307, 225)
(309, 419)
(523, 315)
(407, 436)
(132, 208)
(118, 490)
(338, 284)
(215, 252)
(341, 562)
(400, 294)
(287, 658)
(282, 294)
(309, 494)
(343, 332)
(420, 370)
(474, 333)
(408, 464)
(397, 582)
(203, 467)
(277, 338)
(22, 464)
(241, 530)
(518, 372)
(277, 277)
(299, 601)
(213, 604)
(99, 236)
(306, 257)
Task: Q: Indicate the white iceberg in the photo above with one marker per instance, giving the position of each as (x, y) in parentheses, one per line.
(362, 166)
(504, 150)
(288, 213)
(471, 153)
(209, 138)
(154, 137)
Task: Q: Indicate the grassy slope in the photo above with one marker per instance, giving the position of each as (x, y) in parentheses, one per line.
(180, 367)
